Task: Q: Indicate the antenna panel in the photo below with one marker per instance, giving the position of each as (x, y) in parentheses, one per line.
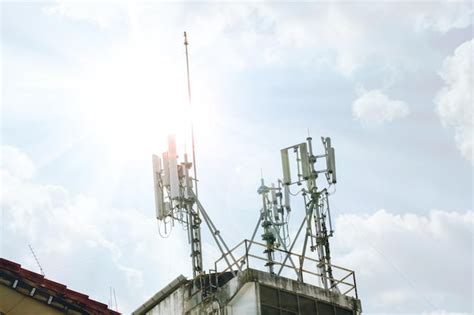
(274, 199)
(286, 195)
(327, 148)
(167, 207)
(328, 142)
(274, 202)
(285, 163)
(159, 201)
(188, 184)
(173, 168)
(332, 163)
(304, 161)
(166, 170)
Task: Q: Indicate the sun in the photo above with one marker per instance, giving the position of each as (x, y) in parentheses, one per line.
(134, 100)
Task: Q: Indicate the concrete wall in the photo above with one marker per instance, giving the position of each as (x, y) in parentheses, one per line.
(245, 301)
(172, 304)
(241, 296)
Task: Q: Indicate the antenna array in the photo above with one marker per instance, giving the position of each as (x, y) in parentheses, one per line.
(176, 202)
(317, 218)
(273, 219)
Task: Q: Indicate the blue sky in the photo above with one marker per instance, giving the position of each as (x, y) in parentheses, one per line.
(90, 91)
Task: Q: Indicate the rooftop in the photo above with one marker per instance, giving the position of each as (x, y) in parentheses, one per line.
(48, 292)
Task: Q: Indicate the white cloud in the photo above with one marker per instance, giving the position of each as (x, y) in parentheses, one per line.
(308, 34)
(454, 101)
(374, 107)
(444, 16)
(104, 14)
(18, 163)
(338, 34)
(409, 263)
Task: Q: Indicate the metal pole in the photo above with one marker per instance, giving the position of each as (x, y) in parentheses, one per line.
(309, 214)
(186, 43)
(254, 232)
(267, 235)
(194, 224)
(292, 245)
(286, 249)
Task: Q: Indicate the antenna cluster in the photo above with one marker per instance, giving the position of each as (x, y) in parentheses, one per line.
(305, 162)
(317, 217)
(176, 202)
(174, 198)
(274, 217)
(172, 183)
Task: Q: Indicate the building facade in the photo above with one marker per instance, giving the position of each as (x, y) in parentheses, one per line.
(250, 292)
(24, 292)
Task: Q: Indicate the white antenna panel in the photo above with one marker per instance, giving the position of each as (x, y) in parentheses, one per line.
(286, 195)
(274, 199)
(159, 201)
(173, 168)
(166, 207)
(166, 170)
(332, 163)
(274, 202)
(304, 161)
(188, 181)
(327, 147)
(285, 163)
(328, 142)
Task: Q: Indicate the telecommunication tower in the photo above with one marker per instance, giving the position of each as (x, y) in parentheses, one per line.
(240, 286)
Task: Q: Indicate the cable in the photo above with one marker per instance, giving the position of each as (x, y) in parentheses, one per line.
(288, 237)
(159, 230)
(297, 193)
(331, 193)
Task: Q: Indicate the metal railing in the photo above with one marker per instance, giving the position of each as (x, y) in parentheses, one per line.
(343, 280)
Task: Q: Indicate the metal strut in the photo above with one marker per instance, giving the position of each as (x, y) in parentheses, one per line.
(268, 235)
(216, 234)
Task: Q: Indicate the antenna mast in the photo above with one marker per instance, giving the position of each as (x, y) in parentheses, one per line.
(190, 106)
(317, 219)
(176, 199)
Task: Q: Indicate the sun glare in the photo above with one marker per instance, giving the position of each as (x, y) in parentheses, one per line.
(133, 102)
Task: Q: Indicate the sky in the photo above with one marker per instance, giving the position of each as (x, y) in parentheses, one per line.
(89, 90)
